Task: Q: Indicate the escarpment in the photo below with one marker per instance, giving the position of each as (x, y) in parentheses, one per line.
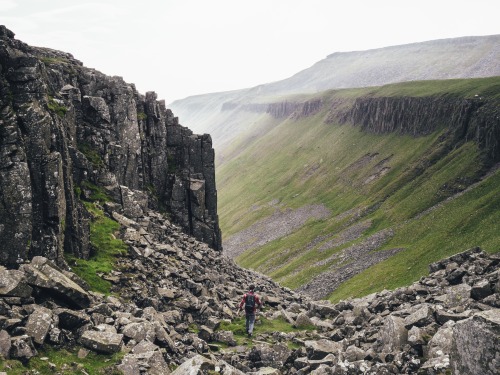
(67, 133)
(476, 119)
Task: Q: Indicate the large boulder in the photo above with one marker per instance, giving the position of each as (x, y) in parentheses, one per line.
(321, 348)
(38, 324)
(102, 342)
(198, 365)
(44, 274)
(393, 334)
(4, 344)
(13, 283)
(22, 348)
(475, 344)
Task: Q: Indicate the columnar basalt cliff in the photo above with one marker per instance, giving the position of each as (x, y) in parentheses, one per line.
(67, 131)
(475, 119)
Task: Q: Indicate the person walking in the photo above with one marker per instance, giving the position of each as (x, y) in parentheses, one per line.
(251, 301)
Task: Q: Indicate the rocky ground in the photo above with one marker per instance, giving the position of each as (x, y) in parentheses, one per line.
(172, 295)
(280, 224)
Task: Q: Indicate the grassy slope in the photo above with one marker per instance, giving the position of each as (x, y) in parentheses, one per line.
(306, 161)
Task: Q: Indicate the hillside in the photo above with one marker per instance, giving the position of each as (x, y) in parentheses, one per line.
(348, 192)
(110, 260)
(225, 117)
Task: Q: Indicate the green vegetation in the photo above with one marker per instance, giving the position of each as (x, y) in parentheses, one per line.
(392, 181)
(97, 193)
(53, 60)
(66, 362)
(54, 106)
(141, 116)
(262, 325)
(91, 154)
(106, 248)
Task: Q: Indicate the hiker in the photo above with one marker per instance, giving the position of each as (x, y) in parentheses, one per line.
(250, 301)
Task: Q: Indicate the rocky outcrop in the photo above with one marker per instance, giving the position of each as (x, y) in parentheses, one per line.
(281, 109)
(67, 132)
(474, 119)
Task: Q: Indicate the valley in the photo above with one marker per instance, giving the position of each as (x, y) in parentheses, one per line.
(408, 184)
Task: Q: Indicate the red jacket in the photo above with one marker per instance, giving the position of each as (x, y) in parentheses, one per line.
(257, 301)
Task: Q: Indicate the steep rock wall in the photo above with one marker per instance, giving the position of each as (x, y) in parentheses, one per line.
(66, 129)
(475, 119)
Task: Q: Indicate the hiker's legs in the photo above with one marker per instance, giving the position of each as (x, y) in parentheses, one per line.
(250, 323)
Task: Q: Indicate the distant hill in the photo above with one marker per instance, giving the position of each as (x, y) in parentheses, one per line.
(226, 115)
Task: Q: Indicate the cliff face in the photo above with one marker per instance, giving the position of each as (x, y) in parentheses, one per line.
(67, 131)
(466, 119)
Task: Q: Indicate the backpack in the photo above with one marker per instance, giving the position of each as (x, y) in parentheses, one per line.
(250, 303)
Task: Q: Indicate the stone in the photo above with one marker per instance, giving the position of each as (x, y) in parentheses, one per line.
(22, 348)
(13, 283)
(139, 331)
(44, 274)
(225, 337)
(303, 321)
(71, 319)
(152, 361)
(393, 334)
(5, 344)
(443, 316)
(440, 343)
(456, 295)
(424, 315)
(319, 349)
(475, 344)
(102, 342)
(39, 324)
(481, 289)
(198, 365)
(353, 353)
(205, 333)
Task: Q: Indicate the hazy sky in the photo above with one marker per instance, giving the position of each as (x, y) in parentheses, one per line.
(180, 48)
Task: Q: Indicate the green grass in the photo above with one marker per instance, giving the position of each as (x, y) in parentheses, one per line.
(91, 154)
(107, 248)
(54, 106)
(309, 161)
(468, 221)
(66, 361)
(262, 325)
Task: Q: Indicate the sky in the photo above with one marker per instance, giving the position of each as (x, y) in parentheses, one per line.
(180, 48)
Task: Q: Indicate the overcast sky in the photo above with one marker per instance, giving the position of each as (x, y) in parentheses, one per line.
(180, 48)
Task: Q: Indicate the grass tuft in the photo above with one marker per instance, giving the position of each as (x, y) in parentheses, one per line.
(106, 248)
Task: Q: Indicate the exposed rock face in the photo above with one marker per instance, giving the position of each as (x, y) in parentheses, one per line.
(65, 129)
(473, 119)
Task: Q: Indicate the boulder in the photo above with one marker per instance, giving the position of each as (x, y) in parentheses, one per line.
(150, 361)
(225, 337)
(303, 321)
(38, 324)
(22, 348)
(102, 342)
(139, 331)
(5, 344)
(13, 283)
(44, 274)
(475, 343)
(481, 289)
(198, 365)
(424, 315)
(393, 334)
(71, 319)
(321, 348)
